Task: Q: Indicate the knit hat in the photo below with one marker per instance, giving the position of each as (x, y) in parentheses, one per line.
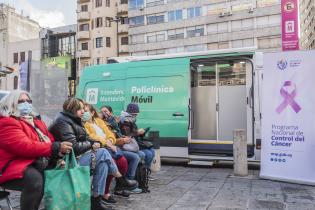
(132, 108)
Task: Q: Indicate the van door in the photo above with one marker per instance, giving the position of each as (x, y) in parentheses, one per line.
(161, 88)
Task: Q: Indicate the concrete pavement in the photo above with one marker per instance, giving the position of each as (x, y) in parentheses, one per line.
(191, 188)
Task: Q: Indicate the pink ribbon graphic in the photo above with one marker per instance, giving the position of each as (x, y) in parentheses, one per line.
(288, 98)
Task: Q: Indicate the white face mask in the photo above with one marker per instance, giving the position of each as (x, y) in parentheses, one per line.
(25, 108)
(86, 116)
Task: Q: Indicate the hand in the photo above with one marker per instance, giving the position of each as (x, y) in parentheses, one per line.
(61, 163)
(113, 148)
(65, 147)
(126, 140)
(96, 146)
(141, 131)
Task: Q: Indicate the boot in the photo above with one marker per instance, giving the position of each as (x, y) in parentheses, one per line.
(98, 204)
(122, 183)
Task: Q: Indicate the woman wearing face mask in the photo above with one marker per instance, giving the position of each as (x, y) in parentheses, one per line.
(26, 149)
(68, 127)
(132, 157)
(98, 130)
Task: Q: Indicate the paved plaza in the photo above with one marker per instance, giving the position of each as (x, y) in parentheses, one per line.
(200, 188)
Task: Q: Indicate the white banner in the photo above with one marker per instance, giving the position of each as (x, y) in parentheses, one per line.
(288, 117)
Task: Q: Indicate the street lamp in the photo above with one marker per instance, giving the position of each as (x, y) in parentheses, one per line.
(117, 20)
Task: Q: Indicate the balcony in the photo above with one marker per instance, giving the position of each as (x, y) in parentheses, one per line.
(122, 9)
(83, 35)
(83, 16)
(123, 29)
(123, 49)
(83, 1)
(83, 54)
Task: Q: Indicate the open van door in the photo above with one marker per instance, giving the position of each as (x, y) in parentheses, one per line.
(161, 88)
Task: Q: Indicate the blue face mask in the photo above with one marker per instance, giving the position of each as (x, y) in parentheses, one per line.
(25, 108)
(86, 116)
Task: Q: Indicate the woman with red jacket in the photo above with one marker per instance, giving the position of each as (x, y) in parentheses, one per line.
(26, 149)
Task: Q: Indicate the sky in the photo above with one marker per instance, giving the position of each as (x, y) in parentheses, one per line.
(48, 13)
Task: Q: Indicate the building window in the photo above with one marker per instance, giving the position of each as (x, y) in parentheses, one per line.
(195, 48)
(107, 3)
(269, 42)
(84, 27)
(175, 15)
(156, 52)
(15, 82)
(124, 20)
(107, 41)
(223, 45)
(98, 3)
(137, 39)
(175, 50)
(22, 56)
(193, 12)
(124, 40)
(151, 3)
(99, 22)
(244, 24)
(215, 9)
(136, 4)
(108, 22)
(84, 46)
(99, 42)
(156, 38)
(195, 31)
(267, 21)
(242, 43)
(136, 21)
(84, 8)
(15, 57)
(157, 18)
(123, 1)
(98, 61)
(175, 34)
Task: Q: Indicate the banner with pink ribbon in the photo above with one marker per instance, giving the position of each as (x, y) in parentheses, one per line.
(290, 25)
(288, 117)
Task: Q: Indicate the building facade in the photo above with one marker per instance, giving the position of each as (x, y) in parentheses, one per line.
(174, 26)
(96, 31)
(19, 42)
(307, 24)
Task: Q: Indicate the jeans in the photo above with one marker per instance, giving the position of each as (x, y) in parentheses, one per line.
(104, 165)
(133, 161)
(148, 155)
(32, 187)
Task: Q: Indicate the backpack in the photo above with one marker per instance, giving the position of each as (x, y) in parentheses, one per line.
(142, 177)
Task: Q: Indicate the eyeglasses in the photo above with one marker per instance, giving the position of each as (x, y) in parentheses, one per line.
(23, 101)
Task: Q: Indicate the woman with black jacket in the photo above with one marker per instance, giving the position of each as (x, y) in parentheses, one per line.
(68, 127)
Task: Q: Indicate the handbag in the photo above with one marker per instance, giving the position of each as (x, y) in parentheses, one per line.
(68, 188)
(143, 144)
(132, 146)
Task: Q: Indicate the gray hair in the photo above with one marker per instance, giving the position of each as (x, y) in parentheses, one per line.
(8, 105)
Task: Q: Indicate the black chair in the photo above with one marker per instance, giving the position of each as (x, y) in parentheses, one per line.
(4, 195)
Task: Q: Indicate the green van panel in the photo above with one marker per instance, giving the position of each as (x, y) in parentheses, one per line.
(160, 87)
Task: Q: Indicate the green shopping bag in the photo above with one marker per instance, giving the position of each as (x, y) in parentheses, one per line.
(68, 188)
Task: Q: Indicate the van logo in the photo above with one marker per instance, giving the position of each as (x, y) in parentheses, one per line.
(282, 64)
(91, 95)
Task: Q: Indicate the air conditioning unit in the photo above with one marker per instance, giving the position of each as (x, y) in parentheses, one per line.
(222, 14)
(229, 13)
(141, 8)
(251, 9)
(78, 11)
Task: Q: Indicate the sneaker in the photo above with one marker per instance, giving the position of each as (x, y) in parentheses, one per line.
(136, 191)
(151, 178)
(122, 193)
(109, 200)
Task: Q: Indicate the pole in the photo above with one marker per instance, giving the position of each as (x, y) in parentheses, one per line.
(117, 40)
(240, 153)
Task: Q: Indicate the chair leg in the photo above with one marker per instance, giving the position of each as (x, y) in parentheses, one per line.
(9, 203)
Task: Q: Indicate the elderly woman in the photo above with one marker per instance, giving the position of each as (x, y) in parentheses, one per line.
(26, 148)
(68, 127)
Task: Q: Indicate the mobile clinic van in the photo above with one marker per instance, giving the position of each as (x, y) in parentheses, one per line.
(195, 100)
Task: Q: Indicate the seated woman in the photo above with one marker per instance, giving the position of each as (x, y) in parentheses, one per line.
(68, 127)
(98, 130)
(26, 148)
(129, 127)
(132, 157)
